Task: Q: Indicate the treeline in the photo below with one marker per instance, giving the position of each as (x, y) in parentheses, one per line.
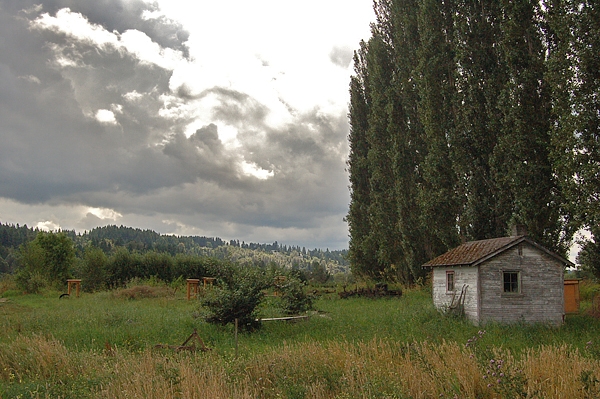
(50, 259)
(108, 237)
(467, 118)
(115, 241)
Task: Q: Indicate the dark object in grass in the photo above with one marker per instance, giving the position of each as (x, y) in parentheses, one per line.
(64, 296)
(185, 346)
(380, 290)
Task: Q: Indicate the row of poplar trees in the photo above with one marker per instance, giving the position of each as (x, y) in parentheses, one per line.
(468, 117)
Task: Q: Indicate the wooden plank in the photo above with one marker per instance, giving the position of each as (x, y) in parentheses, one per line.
(284, 318)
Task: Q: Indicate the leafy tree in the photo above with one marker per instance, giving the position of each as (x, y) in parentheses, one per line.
(122, 267)
(589, 256)
(520, 163)
(382, 210)
(480, 79)
(319, 273)
(4, 266)
(573, 36)
(49, 257)
(459, 128)
(436, 79)
(361, 252)
(93, 270)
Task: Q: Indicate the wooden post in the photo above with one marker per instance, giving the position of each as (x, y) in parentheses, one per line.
(236, 338)
(71, 283)
(192, 285)
(208, 281)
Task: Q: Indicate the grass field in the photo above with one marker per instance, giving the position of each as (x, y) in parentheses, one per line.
(102, 345)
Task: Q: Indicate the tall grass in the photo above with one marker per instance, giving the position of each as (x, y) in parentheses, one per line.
(102, 345)
(335, 369)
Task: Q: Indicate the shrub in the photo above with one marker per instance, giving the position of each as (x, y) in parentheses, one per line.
(588, 289)
(294, 297)
(31, 282)
(7, 283)
(237, 299)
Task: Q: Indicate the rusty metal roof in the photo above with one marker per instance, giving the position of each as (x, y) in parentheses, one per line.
(471, 252)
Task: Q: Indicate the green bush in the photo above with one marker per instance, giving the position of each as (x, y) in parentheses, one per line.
(236, 298)
(7, 283)
(294, 298)
(588, 289)
(31, 282)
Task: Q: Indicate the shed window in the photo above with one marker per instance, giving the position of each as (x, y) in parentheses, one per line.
(450, 281)
(511, 282)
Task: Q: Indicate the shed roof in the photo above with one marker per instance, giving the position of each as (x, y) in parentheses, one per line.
(473, 253)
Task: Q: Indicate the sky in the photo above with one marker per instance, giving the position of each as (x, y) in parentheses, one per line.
(213, 118)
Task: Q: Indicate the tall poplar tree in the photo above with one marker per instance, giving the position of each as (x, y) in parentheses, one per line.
(573, 32)
(520, 162)
(362, 255)
(436, 77)
(468, 116)
(408, 137)
(480, 79)
(383, 215)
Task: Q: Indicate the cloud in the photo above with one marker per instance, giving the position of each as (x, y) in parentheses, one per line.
(106, 116)
(341, 56)
(79, 31)
(47, 225)
(113, 112)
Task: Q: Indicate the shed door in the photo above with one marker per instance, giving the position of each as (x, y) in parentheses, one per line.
(571, 297)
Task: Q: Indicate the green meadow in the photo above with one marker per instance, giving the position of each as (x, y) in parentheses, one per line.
(104, 345)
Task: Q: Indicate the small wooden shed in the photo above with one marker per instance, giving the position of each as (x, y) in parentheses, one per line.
(506, 280)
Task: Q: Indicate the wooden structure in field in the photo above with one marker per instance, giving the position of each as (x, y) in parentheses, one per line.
(571, 296)
(192, 287)
(73, 283)
(507, 280)
(208, 281)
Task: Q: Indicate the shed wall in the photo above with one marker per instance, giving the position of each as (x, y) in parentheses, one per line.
(541, 297)
(462, 276)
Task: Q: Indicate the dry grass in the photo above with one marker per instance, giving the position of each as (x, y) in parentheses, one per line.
(375, 369)
(39, 358)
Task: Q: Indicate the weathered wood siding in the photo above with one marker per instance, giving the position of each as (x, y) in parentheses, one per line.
(462, 276)
(541, 297)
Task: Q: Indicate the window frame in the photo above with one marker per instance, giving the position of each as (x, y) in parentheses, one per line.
(511, 282)
(450, 279)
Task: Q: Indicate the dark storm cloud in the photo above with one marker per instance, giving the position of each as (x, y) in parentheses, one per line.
(50, 147)
(137, 159)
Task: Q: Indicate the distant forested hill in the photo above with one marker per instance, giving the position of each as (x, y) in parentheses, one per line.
(111, 238)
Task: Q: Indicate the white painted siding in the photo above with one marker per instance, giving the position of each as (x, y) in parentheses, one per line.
(463, 276)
